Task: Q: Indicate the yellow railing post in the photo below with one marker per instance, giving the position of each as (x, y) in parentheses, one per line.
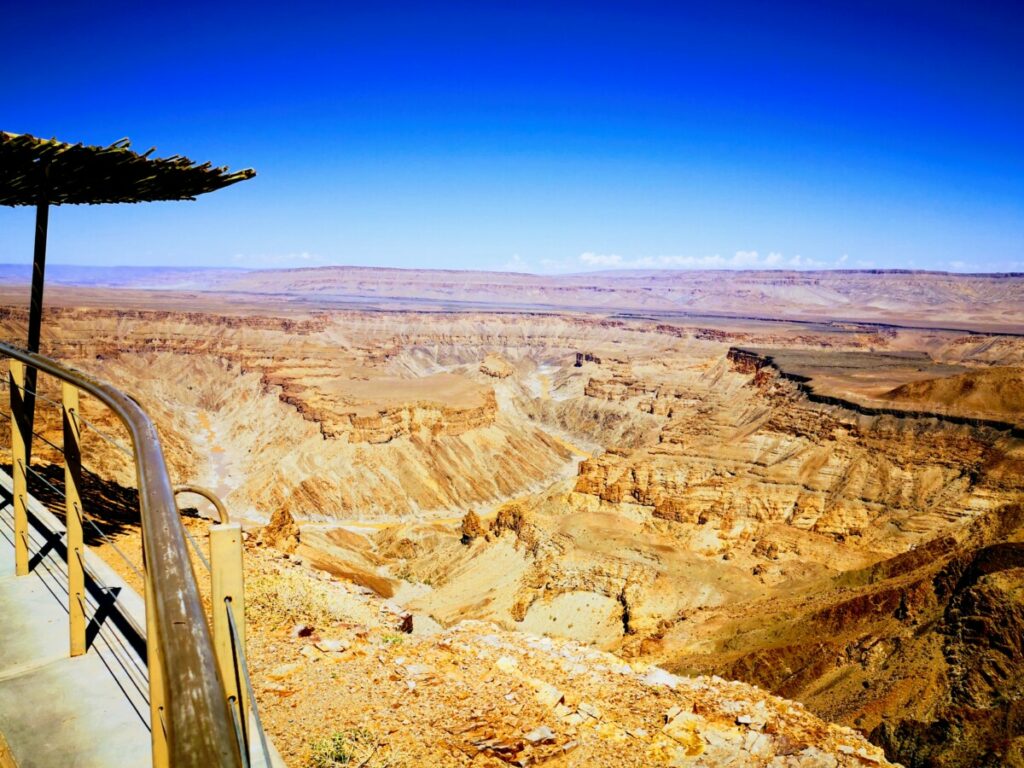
(228, 593)
(157, 700)
(19, 465)
(73, 515)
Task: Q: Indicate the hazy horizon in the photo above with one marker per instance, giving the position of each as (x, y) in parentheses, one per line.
(26, 267)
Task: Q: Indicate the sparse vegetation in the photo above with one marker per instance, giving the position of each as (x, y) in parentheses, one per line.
(288, 598)
(354, 747)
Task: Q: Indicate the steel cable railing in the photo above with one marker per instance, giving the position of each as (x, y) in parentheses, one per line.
(221, 512)
(116, 444)
(58, 492)
(50, 443)
(29, 391)
(190, 715)
(197, 548)
(242, 670)
(85, 516)
(55, 578)
(227, 548)
(60, 406)
(100, 433)
(117, 643)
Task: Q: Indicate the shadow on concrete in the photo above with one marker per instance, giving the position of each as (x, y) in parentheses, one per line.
(112, 506)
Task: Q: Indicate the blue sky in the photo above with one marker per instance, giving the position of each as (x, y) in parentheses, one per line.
(540, 137)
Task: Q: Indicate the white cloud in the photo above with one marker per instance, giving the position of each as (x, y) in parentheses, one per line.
(739, 260)
(557, 265)
(516, 263)
(803, 262)
(601, 259)
(301, 259)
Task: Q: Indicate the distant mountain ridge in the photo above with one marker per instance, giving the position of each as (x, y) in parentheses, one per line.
(127, 273)
(117, 276)
(981, 302)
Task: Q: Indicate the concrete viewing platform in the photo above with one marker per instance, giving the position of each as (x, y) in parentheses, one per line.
(91, 710)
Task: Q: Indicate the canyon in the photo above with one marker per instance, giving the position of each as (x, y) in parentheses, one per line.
(822, 498)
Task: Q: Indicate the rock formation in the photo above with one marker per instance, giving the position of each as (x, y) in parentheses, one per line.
(496, 367)
(471, 527)
(281, 532)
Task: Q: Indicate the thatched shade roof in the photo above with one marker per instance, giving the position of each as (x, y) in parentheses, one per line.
(34, 171)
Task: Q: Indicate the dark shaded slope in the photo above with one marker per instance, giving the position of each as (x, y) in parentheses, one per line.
(924, 651)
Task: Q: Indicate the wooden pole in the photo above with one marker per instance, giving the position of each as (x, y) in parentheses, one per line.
(19, 466)
(228, 593)
(73, 514)
(35, 311)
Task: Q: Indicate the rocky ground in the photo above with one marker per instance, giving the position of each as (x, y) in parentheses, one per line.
(345, 677)
(335, 659)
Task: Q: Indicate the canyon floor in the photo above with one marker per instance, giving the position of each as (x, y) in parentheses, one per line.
(616, 506)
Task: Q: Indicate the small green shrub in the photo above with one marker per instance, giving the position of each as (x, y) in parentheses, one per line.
(289, 597)
(353, 747)
(343, 748)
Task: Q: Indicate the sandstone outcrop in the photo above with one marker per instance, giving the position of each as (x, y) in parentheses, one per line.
(471, 527)
(997, 392)
(281, 532)
(496, 367)
(479, 694)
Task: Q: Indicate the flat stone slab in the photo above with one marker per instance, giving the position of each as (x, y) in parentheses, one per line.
(6, 540)
(55, 711)
(35, 626)
(70, 712)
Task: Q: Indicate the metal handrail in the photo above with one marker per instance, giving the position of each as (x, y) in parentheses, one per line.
(242, 670)
(228, 586)
(196, 714)
(206, 493)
